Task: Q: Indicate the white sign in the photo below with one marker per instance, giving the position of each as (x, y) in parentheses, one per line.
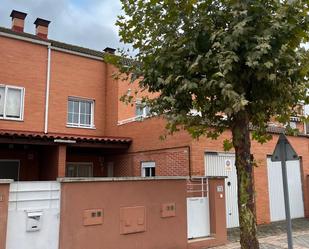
(219, 188)
(228, 165)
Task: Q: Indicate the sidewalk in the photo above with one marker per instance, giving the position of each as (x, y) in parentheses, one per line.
(273, 236)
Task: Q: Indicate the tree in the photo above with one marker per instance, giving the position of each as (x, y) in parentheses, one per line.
(221, 64)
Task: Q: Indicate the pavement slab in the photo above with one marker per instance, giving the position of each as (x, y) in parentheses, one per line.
(273, 236)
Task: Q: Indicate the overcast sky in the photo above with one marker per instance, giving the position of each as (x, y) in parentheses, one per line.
(88, 23)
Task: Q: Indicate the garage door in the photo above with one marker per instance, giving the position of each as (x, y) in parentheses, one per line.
(223, 164)
(275, 188)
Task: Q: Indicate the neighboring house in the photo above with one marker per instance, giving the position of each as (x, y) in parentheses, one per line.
(181, 155)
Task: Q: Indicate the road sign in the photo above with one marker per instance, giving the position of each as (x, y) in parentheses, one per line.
(290, 153)
(284, 152)
(228, 165)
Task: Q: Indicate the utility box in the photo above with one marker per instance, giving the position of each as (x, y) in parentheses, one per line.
(93, 217)
(34, 221)
(168, 210)
(132, 220)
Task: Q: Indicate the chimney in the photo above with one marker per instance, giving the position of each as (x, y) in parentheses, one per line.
(41, 28)
(109, 50)
(18, 20)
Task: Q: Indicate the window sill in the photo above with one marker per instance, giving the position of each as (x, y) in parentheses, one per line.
(12, 119)
(81, 127)
(139, 118)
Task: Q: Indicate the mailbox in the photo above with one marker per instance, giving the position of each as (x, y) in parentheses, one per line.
(34, 221)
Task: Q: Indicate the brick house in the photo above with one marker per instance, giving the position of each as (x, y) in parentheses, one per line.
(55, 107)
(207, 157)
(60, 116)
(59, 113)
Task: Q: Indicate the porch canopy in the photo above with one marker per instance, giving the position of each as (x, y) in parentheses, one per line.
(22, 137)
(37, 156)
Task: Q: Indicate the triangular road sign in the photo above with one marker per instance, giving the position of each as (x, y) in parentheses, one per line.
(290, 153)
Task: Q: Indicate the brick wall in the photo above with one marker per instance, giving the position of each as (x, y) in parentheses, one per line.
(169, 162)
(24, 64)
(146, 135)
(126, 111)
(76, 76)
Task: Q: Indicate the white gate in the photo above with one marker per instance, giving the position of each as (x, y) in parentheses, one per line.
(198, 209)
(275, 187)
(33, 218)
(223, 164)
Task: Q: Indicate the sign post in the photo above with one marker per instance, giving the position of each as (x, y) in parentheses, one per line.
(284, 152)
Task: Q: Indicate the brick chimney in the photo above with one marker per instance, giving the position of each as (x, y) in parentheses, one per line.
(41, 28)
(18, 20)
(109, 50)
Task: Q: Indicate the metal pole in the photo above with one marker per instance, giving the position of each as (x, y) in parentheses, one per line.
(286, 194)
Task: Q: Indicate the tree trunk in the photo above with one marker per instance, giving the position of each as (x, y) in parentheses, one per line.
(246, 204)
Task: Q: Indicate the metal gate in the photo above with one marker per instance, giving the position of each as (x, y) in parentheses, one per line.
(223, 164)
(198, 208)
(33, 217)
(275, 187)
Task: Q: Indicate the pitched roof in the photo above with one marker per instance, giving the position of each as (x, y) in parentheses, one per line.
(62, 45)
(55, 43)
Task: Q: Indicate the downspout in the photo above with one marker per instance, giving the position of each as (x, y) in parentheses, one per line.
(47, 90)
(190, 164)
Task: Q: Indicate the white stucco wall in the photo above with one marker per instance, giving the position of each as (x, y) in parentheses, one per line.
(27, 198)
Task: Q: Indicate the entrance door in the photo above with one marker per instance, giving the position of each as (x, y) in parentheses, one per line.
(9, 169)
(275, 188)
(223, 164)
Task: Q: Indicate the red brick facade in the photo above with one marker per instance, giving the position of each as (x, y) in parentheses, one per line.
(78, 74)
(148, 132)
(169, 162)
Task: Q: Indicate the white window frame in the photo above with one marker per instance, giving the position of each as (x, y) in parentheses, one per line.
(293, 124)
(76, 164)
(22, 99)
(78, 125)
(145, 165)
(144, 111)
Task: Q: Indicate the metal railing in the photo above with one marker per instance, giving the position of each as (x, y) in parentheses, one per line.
(197, 187)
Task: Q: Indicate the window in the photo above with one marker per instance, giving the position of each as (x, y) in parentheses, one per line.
(80, 113)
(11, 102)
(293, 125)
(141, 110)
(78, 169)
(9, 169)
(148, 169)
(307, 128)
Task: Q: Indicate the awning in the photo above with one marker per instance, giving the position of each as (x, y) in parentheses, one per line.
(70, 140)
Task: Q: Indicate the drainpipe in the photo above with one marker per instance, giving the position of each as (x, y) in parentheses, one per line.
(47, 90)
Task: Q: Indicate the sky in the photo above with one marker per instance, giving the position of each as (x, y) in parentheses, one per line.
(87, 23)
